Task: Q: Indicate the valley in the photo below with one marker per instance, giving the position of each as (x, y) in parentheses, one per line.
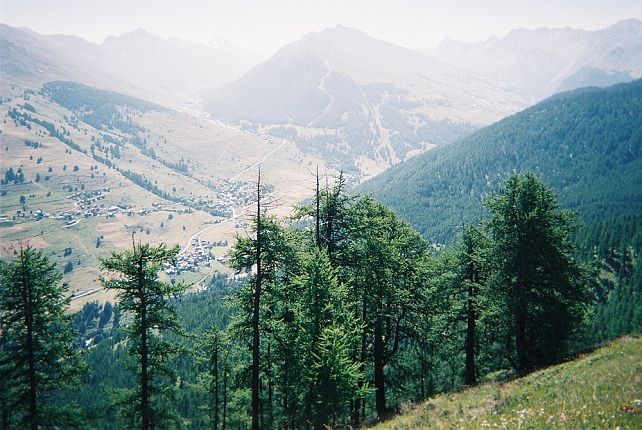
(99, 166)
(449, 234)
(92, 179)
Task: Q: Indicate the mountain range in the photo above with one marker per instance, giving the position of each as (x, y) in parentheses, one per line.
(360, 103)
(540, 62)
(168, 71)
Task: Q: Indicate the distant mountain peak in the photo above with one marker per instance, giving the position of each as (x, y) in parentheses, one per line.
(630, 22)
(626, 26)
(219, 43)
(166, 70)
(538, 61)
(138, 35)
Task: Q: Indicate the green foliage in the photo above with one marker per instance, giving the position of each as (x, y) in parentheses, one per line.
(535, 270)
(134, 274)
(334, 376)
(586, 143)
(355, 315)
(24, 119)
(37, 355)
(613, 248)
(15, 177)
(68, 267)
(98, 108)
(325, 322)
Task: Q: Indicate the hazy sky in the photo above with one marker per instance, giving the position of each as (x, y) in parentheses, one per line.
(267, 25)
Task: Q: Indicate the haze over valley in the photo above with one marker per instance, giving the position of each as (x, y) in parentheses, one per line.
(143, 125)
(189, 119)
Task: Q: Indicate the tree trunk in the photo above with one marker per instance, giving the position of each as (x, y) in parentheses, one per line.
(286, 390)
(356, 411)
(5, 417)
(255, 312)
(31, 359)
(422, 364)
(317, 230)
(144, 377)
(270, 386)
(469, 377)
(379, 383)
(215, 369)
(224, 393)
(520, 342)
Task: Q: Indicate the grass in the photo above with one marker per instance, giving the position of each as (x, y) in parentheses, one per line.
(602, 389)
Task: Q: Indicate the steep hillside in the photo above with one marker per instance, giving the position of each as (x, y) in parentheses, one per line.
(586, 144)
(591, 77)
(540, 62)
(600, 390)
(359, 100)
(169, 71)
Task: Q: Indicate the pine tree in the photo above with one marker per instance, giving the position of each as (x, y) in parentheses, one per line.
(264, 255)
(325, 320)
(134, 274)
(544, 287)
(37, 340)
(382, 259)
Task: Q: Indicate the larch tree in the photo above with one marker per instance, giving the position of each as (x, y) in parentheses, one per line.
(38, 344)
(468, 291)
(543, 286)
(263, 255)
(383, 260)
(325, 320)
(146, 300)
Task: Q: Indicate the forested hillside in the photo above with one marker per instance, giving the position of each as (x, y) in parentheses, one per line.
(586, 144)
(339, 315)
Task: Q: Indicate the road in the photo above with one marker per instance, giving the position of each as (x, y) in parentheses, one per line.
(258, 162)
(198, 234)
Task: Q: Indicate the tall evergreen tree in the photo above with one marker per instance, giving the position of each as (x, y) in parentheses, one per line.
(325, 322)
(264, 255)
(134, 274)
(544, 287)
(38, 346)
(472, 271)
(382, 260)
(213, 346)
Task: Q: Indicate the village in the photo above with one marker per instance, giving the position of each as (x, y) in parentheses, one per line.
(98, 203)
(88, 205)
(196, 256)
(227, 195)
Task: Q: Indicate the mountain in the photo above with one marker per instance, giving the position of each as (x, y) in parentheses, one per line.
(168, 71)
(587, 144)
(537, 62)
(174, 64)
(360, 100)
(592, 77)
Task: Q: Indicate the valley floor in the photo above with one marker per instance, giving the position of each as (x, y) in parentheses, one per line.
(602, 389)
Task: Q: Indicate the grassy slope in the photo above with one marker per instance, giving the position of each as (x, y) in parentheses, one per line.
(214, 153)
(600, 390)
